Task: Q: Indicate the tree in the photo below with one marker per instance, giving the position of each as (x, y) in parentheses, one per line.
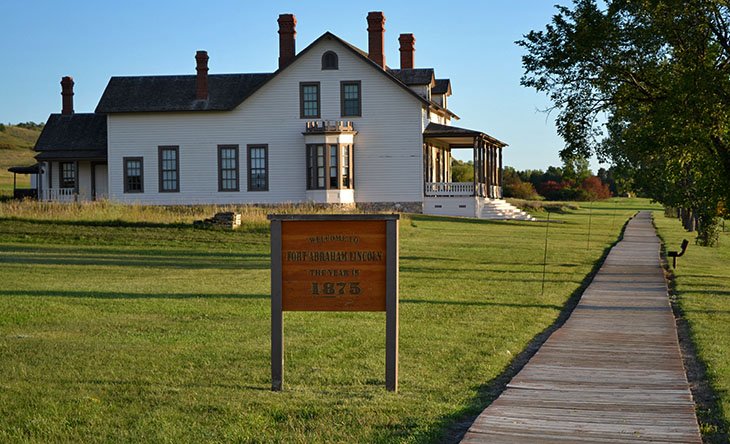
(644, 84)
(462, 171)
(576, 168)
(513, 186)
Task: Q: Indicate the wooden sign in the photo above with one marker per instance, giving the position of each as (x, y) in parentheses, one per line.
(334, 263)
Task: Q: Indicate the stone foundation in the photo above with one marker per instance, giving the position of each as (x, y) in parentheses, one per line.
(396, 207)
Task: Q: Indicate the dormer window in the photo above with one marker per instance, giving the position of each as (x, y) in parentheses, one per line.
(329, 60)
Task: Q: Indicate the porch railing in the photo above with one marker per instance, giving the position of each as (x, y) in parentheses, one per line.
(59, 195)
(323, 126)
(438, 189)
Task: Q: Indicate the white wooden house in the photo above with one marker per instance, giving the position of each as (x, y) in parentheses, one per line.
(334, 124)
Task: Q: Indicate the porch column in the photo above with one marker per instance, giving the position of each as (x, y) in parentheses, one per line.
(495, 170)
(429, 166)
(475, 158)
(490, 164)
(501, 167)
(425, 167)
(487, 160)
(487, 177)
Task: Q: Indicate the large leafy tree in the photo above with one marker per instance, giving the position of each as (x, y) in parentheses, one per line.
(644, 84)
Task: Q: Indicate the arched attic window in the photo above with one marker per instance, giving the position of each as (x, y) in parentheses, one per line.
(329, 60)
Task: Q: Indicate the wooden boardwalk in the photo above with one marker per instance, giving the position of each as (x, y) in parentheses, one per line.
(613, 373)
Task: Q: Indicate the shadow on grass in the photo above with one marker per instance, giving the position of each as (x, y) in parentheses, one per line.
(158, 258)
(118, 295)
(473, 221)
(182, 262)
(118, 223)
(480, 304)
(101, 250)
(98, 223)
(454, 426)
(486, 272)
(722, 293)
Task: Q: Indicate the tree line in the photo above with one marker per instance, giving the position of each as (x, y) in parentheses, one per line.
(574, 181)
(27, 125)
(645, 86)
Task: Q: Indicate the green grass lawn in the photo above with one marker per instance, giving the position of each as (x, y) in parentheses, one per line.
(124, 331)
(702, 281)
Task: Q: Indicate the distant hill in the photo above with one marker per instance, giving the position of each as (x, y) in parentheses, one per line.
(19, 137)
(16, 149)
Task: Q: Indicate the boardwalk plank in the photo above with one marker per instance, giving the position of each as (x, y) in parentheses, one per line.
(613, 373)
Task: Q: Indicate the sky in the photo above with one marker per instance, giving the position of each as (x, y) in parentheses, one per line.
(470, 42)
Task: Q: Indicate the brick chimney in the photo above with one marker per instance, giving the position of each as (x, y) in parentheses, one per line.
(376, 29)
(67, 93)
(287, 39)
(201, 80)
(407, 51)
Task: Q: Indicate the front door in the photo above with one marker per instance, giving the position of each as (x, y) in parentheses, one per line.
(101, 181)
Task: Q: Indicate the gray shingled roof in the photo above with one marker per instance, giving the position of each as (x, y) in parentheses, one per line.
(78, 136)
(413, 76)
(438, 130)
(33, 169)
(442, 86)
(177, 93)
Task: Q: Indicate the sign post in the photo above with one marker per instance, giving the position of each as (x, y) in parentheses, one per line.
(334, 262)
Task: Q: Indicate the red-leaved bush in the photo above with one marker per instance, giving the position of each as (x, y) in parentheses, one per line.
(595, 189)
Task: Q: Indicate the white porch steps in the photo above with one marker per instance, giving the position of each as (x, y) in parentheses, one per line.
(499, 209)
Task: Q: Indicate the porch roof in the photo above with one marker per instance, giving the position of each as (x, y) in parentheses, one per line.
(33, 169)
(74, 137)
(457, 137)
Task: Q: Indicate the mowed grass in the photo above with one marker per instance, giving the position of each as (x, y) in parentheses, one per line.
(702, 283)
(126, 331)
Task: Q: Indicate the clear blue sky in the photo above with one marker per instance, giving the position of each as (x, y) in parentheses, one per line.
(470, 42)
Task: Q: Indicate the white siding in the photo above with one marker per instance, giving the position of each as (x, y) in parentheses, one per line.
(387, 148)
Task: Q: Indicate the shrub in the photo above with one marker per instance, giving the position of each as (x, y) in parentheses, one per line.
(520, 190)
(595, 189)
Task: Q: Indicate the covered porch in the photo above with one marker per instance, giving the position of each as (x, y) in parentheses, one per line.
(439, 140)
(72, 152)
(29, 192)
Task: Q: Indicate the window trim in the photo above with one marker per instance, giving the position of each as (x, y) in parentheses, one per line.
(311, 166)
(301, 100)
(141, 174)
(62, 178)
(220, 168)
(249, 147)
(336, 59)
(160, 149)
(359, 97)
